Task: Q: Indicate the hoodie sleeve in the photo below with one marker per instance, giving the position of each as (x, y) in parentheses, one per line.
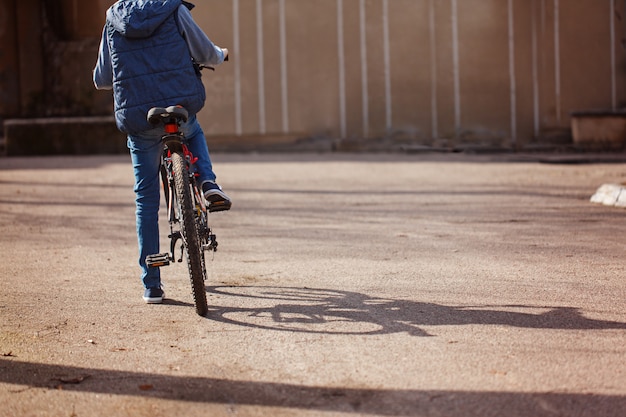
(103, 73)
(202, 49)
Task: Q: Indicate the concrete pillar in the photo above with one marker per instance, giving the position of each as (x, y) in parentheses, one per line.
(84, 19)
(9, 63)
(30, 55)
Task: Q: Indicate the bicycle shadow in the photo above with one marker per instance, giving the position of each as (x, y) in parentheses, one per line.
(312, 310)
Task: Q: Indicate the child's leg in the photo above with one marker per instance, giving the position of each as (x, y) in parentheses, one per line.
(146, 159)
(196, 142)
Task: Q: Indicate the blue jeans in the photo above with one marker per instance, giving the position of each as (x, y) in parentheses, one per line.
(146, 149)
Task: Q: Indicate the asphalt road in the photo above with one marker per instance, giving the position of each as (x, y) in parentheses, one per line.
(344, 285)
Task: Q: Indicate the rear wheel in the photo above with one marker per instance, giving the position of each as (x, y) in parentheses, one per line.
(193, 249)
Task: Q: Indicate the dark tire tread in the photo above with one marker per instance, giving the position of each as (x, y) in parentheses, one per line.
(189, 231)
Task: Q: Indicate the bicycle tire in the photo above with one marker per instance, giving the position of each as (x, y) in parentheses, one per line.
(189, 229)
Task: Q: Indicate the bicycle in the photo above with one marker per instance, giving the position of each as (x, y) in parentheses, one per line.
(187, 210)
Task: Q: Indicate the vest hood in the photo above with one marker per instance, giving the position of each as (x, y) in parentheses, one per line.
(140, 18)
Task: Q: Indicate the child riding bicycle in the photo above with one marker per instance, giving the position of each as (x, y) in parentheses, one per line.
(150, 56)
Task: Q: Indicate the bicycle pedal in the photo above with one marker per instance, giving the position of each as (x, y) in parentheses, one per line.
(158, 260)
(220, 206)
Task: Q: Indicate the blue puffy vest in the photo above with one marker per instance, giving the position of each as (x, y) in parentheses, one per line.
(151, 63)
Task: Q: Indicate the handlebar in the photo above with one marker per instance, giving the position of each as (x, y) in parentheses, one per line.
(201, 67)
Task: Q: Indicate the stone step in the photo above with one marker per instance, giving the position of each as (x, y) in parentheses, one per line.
(610, 195)
(63, 136)
(99, 135)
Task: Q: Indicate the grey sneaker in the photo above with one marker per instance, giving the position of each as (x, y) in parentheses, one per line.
(153, 295)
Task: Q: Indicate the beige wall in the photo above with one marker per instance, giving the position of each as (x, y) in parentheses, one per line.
(459, 69)
(504, 71)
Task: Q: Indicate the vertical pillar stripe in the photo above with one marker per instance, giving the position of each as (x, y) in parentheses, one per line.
(433, 72)
(364, 74)
(456, 71)
(283, 66)
(535, 70)
(260, 65)
(613, 58)
(236, 45)
(512, 75)
(387, 53)
(342, 70)
(557, 60)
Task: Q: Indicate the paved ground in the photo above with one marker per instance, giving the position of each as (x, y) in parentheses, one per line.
(424, 285)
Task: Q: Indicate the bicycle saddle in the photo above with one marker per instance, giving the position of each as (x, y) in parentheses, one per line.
(157, 115)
